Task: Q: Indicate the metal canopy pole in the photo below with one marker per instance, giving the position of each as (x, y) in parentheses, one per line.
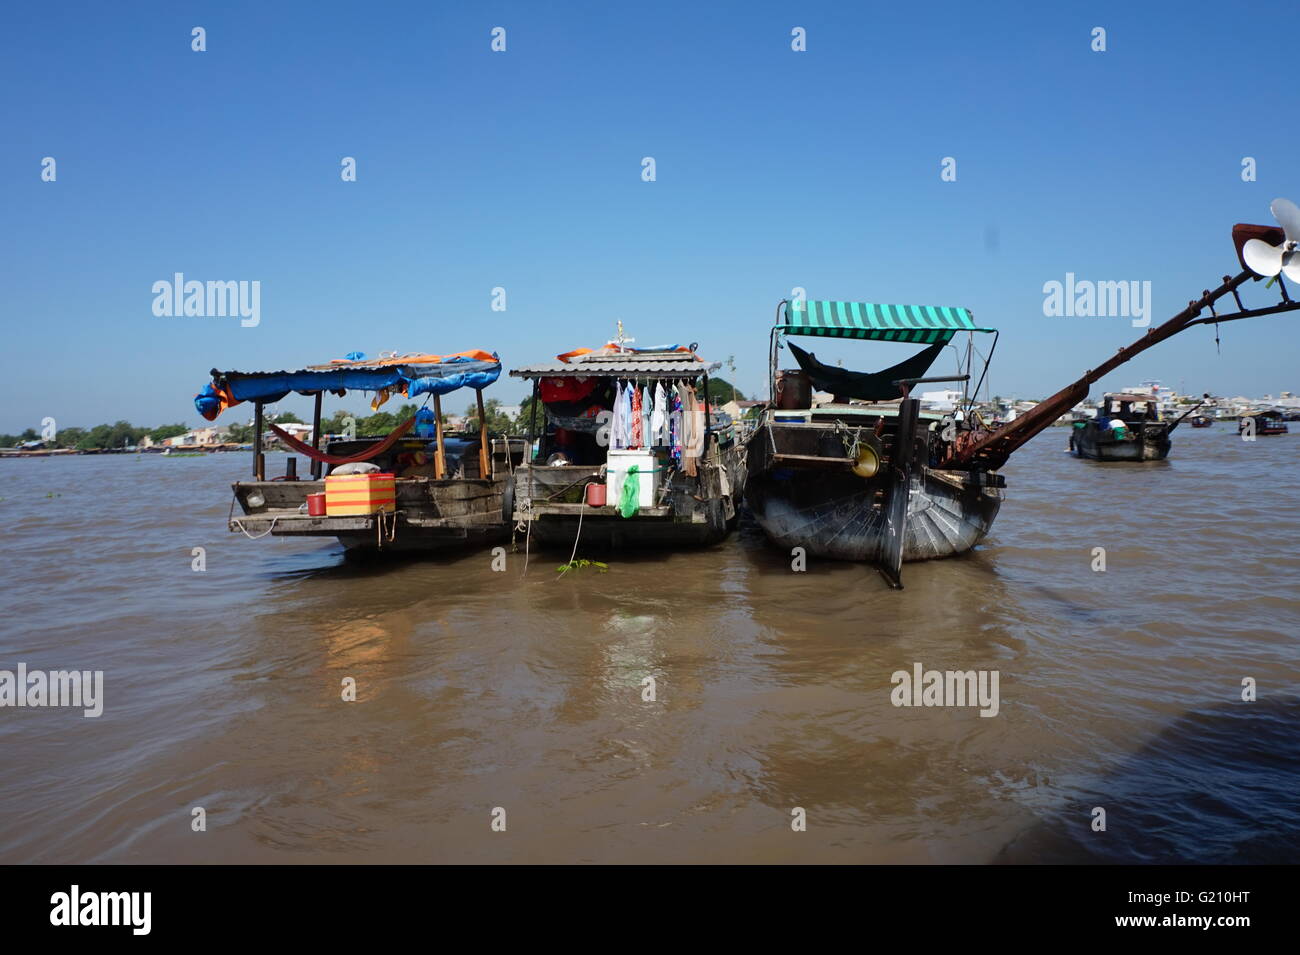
(259, 471)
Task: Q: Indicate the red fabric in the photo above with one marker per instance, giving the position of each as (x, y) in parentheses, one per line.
(366, 455)
(566, 389)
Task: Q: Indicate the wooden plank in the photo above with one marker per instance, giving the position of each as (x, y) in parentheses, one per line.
(440, 456)
(484, 471)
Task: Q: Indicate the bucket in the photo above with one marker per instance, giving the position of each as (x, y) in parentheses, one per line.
(595, 495)
(316, 505)
(793, 389)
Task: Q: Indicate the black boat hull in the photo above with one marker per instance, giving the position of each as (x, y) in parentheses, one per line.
(835, 515)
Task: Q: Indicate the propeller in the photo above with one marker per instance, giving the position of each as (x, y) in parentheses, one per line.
(1264, 259)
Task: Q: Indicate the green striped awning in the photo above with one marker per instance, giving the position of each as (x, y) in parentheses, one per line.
(923, 324)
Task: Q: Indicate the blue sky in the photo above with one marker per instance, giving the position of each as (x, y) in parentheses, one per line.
(522, 169)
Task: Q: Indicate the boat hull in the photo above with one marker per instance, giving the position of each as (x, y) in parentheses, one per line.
(836, 515)
(431, 516)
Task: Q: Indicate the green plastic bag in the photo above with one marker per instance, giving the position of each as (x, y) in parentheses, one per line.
(627, 498)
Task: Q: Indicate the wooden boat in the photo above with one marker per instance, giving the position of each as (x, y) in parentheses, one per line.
(868, 477)
(860, 477)
(447, 488)
(688, 476)
(1127, 428)
(1262, 423)
(1201, 421)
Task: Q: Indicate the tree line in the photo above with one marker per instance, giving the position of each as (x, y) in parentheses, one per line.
(124, 434)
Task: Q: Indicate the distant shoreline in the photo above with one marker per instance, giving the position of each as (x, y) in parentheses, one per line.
(167, 452)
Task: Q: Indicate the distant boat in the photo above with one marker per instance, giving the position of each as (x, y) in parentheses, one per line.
(1127, 428)
(1200, 421)
(1264, 422)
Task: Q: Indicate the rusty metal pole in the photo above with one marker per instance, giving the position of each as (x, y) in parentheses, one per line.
(993, 450)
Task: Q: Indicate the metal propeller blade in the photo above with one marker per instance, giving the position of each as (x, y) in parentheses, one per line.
(1291, 266)
(1262, 258)
(1287, 214)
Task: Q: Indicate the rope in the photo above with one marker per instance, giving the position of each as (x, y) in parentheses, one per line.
(240, 525)
(527, 521)
(379, 529)
(578, 536)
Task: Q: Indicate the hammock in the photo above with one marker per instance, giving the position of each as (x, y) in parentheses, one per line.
(366, 455)
(878, 386)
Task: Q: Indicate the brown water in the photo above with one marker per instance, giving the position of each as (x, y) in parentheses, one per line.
(480, 689)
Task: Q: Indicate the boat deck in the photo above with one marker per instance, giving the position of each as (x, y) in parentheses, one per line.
(288, 522)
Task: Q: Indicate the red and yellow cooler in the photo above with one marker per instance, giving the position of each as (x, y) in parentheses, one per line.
(347, 495)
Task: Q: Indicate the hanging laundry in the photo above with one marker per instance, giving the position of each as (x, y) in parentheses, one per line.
(647, 414)
(628, 388)
(616, 422)
(675, 425)
(692, 430)
(659, 418)
(638, 435)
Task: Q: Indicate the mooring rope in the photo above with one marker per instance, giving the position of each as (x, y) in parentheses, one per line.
(240, 525)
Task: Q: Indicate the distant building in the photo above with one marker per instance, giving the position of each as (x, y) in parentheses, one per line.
(197, 438)
(294, 429)
(941, 401)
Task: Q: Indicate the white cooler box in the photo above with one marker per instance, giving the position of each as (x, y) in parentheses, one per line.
(647, 478)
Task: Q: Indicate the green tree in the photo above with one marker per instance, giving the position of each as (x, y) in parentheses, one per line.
(287, 417)
(525, 411)
(497, 420)
(165, 431)
(721, 391)
(239, 433)
(68, 437)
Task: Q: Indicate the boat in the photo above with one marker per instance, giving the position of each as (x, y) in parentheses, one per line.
(859, 477)
(868, 476)
(1262, 423)
(419, 488)
(1126, 428)
(598, 477)
(1201, 421)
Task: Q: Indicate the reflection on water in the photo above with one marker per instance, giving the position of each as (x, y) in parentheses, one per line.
(478, 689)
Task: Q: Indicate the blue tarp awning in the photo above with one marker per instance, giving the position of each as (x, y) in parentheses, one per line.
(420, 375)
